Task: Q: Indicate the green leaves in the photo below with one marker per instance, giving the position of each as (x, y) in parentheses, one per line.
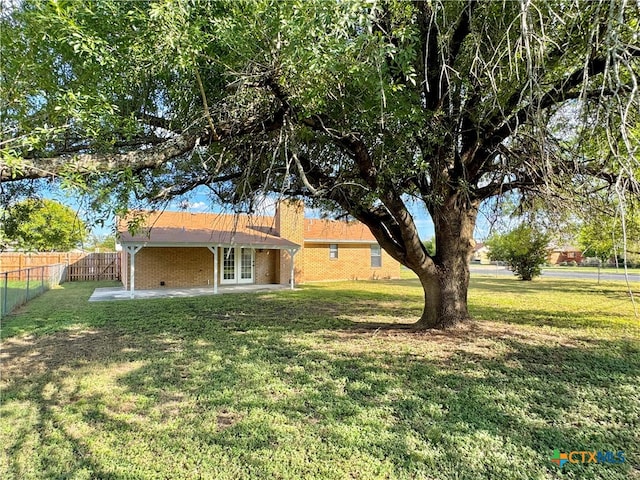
(43, 225)
(602, 236)
(524, 248)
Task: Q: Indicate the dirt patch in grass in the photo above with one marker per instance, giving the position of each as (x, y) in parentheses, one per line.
(22, 357)
(226, 419)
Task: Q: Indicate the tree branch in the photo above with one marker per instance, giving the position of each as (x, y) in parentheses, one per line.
(429, 62)
(385, 227)
(558, 92)
(185, 187)
(499, 188)
(350, 143)
(399, 229)
(134, 142)
(98, 162)
(462, 30)
(157, 122)
(137, 160)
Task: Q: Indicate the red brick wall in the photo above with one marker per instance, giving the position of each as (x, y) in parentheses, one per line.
(353, 263)
(191, 267)
(265, 266)
(187, 267)
(177, 267)
(290, 225)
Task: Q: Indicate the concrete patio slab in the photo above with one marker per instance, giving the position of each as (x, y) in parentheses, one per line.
(103, 294)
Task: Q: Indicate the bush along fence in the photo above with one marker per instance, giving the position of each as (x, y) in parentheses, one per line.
(17, 287)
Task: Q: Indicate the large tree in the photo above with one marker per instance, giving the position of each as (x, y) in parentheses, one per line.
(42, 225)
(358, 107)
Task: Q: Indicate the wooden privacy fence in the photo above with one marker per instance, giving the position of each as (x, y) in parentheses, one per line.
(20, 260)
(95, 266)
(79, 266)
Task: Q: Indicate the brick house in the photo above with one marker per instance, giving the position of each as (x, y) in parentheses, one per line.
(564, 254)
(181, 249)
(480, 254)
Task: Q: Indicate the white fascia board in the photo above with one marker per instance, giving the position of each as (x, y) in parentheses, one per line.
(366, 242)
(206, 245)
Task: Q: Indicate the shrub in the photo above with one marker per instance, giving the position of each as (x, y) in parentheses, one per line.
(524, 249)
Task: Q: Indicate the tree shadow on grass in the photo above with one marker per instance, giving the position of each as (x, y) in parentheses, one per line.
(257, 400)
(42, 441)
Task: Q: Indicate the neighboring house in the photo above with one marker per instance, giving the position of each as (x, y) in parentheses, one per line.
(181, 249)
(481, 254)
(564, 254)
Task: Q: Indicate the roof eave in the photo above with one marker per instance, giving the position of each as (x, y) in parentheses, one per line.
(335, 240)
(264, 246)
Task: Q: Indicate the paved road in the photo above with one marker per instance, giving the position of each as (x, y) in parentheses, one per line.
(500, 271)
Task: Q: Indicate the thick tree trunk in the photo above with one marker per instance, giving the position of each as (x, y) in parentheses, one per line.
(445, 278)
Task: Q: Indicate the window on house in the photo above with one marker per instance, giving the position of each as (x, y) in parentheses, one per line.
(376, 256)
(333, 250)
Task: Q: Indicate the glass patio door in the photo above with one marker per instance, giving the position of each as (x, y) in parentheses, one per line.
(245, 265)
(237, 265)
(228, 267)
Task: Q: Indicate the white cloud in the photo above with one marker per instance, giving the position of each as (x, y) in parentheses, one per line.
(198, 206)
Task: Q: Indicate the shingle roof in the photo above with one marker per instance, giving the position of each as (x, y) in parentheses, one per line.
(199, 221)
(184, 228)
(206, 228)
(162, 236)
(320, 230)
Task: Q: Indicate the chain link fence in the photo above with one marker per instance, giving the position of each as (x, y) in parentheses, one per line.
(17, 287)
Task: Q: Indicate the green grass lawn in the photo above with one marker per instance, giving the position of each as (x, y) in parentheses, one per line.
(17, 292)
(325, 381)
(607, 270)
(405, 273)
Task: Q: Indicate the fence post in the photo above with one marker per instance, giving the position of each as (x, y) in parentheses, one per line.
(28, 279)
(5, 302)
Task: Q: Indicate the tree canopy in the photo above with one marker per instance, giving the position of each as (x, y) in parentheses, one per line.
(607, 237)
(42, 225)
(358, 107)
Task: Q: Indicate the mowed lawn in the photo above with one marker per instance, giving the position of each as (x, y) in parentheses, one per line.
(322, 382)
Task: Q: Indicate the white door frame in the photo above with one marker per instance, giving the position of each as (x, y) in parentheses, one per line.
(240, 264)
(237, 265)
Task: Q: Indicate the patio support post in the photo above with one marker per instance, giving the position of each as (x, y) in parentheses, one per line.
(132, 250)
(292, 252)
(214, 250)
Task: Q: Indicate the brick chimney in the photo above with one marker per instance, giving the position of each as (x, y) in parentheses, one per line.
(289, 223)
